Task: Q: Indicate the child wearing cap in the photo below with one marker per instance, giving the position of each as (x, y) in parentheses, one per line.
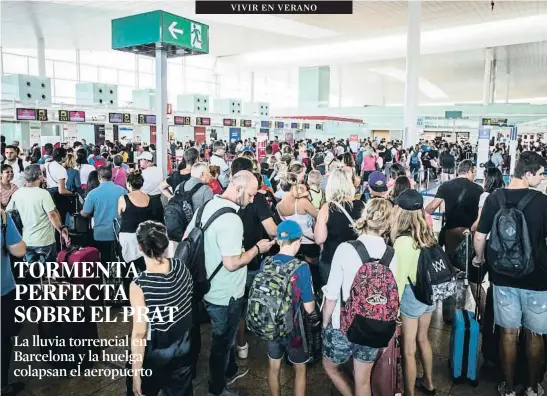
(289, 238)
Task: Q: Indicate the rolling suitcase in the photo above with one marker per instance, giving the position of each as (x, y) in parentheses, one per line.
(464, 338)
(387, 372)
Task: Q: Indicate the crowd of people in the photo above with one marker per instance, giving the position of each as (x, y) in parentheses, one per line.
(306, 213)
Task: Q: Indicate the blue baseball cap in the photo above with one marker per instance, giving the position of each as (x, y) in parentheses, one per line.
(288, 230)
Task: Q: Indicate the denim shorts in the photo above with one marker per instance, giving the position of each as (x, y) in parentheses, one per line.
(293, 347)
(411, 307)
(518, 307)
(338, 349)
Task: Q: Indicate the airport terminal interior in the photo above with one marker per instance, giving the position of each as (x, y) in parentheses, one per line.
(121, 85)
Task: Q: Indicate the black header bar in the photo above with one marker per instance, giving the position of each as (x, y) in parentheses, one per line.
(274, 7)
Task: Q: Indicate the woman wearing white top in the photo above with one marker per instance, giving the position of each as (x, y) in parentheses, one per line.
(84, 167)
(296, 206)
(373, 226)
(56, 178)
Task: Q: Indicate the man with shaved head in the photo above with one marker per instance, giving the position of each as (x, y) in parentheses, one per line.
(226, 264)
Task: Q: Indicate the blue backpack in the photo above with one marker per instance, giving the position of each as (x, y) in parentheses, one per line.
(414, 159)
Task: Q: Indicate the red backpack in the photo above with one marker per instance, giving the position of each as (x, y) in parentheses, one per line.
(99, 161)
(368, 316)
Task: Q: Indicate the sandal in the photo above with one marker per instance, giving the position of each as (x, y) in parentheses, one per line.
(421, 386)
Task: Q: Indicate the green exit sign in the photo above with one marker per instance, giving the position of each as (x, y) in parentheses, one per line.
(178, 36)
(453, 114)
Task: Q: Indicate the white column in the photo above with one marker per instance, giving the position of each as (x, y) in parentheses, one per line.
(252, 87)
(161, 108)
(487, 80)
(41, 55)
(78, 76)
(339, 76)
(412, 72)
(137, 72)
(1, 61)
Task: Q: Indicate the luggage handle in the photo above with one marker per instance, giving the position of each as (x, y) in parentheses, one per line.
(467, 235)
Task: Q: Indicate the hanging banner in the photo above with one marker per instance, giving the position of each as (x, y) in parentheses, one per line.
(116, 133)
(262, 142)
(199, 134)
(35, 129)
(289, 138)
(109, 132)
(235, 134)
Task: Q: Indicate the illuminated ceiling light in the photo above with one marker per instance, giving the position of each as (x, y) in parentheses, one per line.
(504, 32)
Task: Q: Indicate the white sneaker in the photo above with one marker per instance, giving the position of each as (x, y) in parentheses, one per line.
(530, 391)
(243, 352)
(503, 391)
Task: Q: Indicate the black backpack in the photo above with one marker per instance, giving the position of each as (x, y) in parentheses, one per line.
(178, 212)
(435, 276)
(191, 252)
(509, 248)
(388, 155)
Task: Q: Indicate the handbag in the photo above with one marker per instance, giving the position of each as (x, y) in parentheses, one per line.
(16, 217)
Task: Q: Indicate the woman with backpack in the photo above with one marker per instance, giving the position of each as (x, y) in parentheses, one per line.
(349, 275)
(336, 217)
(410, 234)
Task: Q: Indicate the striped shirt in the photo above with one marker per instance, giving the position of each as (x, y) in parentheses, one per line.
(163, 291)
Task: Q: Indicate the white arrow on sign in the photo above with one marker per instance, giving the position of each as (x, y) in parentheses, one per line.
(173, 29)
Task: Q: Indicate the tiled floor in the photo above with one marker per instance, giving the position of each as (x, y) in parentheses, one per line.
(254, 384)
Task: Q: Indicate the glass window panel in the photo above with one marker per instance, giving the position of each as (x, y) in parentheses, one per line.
(193, 73)
(89, 73)
(108, 76)
(125, 94)
(20, 51)
(112, 59)
(64, 99)
(198, 87)
(65, 70)
(146, 64)
(203, 61)
(64, 88)
(61, 55)
(146, 80)
(49, 68)
(33, 66)
(15, 64)
(126, 78)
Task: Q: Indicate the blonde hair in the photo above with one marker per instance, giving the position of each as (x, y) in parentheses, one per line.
(70, 161)
(214, 170)
(339, 186)
(414, 223)
(256, 165)
(314, 178)
(375, 218)
(287, 180)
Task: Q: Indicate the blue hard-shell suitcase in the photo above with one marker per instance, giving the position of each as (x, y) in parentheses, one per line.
(464, 338)
(464, 347)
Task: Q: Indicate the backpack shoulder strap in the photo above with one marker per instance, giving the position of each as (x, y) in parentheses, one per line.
(361, 250)
(500, 196)
(216, 215)
(199, 214)
(20, 163)
(388, 256)
(194, 189)
(527, 199)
